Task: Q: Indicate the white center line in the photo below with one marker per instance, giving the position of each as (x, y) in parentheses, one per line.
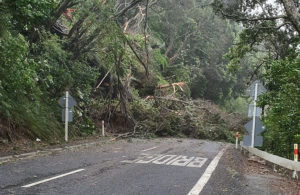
(206, 175)
(52, 178)
(148, 149)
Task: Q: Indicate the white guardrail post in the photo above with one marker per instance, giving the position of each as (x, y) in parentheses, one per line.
(103, 133)
(295, 175)
(236, 140)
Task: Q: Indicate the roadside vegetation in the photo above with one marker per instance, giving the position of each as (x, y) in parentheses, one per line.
(147, 68)
(269, 43)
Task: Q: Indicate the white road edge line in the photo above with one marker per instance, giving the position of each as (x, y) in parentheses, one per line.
(206, 175)
(52, 178)
(148, 149)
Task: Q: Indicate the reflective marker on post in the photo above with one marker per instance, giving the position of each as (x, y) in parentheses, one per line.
(236, 140)
(295, 159)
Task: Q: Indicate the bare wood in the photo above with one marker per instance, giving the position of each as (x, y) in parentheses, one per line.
(164, 86)
(170, 44)
(126, 134)
(104, 78)
(179, 84)
(169, 99)
(180, 48)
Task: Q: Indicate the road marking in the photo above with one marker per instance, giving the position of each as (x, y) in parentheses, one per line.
(206, 175)
(132, 161)
(171, 161)
(148, 149)
(163, 159)
(197, 162)
(149, 158)
(56, 177)
(182, 161)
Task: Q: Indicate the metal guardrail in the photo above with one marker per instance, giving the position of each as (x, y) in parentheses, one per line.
(286, 163)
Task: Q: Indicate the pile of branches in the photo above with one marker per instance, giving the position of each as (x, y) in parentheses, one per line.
(167, 115)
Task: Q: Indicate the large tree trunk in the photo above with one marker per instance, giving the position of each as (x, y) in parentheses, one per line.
(292, 13)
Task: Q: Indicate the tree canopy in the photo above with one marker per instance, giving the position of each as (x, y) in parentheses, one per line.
(269, 43)
(140, 64)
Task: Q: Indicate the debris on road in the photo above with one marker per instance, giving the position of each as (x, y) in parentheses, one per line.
(257, 160)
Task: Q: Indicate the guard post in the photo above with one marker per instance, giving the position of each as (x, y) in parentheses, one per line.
(236, 140)
(103, 133)
(295, 175)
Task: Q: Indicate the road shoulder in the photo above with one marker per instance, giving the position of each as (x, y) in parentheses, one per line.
(258, 176)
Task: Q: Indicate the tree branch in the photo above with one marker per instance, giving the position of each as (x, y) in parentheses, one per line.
(168, 99)
(64, 4)
(255, 71)
(131, 5)
(292, 13)
(237, 17)
(181, 47)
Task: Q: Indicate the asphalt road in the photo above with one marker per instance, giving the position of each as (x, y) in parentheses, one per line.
(146, 167)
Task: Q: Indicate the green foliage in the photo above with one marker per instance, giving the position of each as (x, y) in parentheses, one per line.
(198, 87)
(18, 91)
(140, 110)
(235, 54)
(194, 45)
(297, 139)
(40, 120)
(170, 125)
(16, 71)
(4, 19)
(159, 60)
(223, 134)
(283, 116)
(180, 74)
(238, 105)
(39, 62)
(30, 13)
